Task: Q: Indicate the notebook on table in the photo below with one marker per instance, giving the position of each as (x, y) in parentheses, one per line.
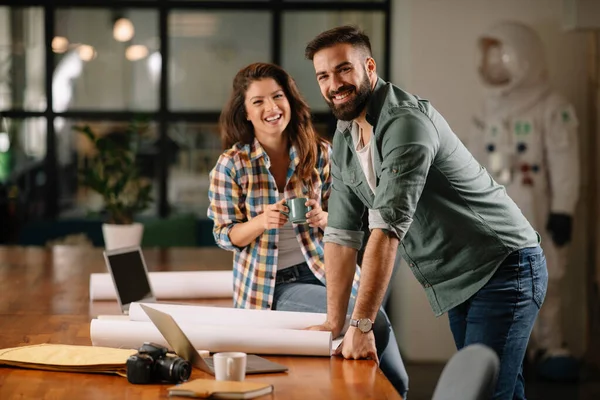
(205, 388)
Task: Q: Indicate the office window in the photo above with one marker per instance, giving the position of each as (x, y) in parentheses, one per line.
(74, 150)
(196, 149)
(301, 27)
(22, 79)
(106, 66)
(22, 170)
(25, 139)
(207, 49)
(22, 144)
(106, 59)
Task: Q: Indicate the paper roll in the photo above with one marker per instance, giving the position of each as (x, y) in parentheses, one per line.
(203, 315)
(132, 334)
(172, 285)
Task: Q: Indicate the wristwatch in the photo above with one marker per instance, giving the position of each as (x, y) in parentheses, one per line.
(365, 325)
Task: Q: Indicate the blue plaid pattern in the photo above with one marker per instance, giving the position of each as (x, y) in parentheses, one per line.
(240, 187)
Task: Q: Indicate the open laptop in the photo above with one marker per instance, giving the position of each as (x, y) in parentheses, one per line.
(184, 348)
(130, 276)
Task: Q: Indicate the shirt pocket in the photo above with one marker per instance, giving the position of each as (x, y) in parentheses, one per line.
(351, 178)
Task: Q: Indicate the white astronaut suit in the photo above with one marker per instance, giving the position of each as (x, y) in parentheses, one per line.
(527, 139)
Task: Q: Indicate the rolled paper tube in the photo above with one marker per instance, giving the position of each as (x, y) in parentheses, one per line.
(172, 285)
(132, 334)
(240, 317)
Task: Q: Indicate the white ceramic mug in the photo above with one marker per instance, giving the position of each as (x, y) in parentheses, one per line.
(230, 366)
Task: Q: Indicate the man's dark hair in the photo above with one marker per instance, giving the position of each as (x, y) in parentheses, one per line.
(340, 35)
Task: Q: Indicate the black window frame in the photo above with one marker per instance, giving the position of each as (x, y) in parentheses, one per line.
(163, 116)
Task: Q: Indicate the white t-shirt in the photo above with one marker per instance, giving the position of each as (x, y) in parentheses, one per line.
(365, 158)
(289, 252)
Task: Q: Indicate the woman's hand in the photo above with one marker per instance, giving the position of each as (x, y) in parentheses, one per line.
(272, 216)
(316, 217)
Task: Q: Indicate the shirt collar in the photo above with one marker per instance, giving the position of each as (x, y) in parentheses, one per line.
(355, 133)
(257, 151)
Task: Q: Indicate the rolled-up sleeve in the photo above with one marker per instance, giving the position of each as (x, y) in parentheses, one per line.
(344, 222)
(408, 145)
(224, 201)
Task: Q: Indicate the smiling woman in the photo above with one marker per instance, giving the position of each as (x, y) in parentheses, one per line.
(272, 155)
(268, 109)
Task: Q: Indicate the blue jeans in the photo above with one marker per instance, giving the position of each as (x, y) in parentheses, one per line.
(297, 289)
(501, 315)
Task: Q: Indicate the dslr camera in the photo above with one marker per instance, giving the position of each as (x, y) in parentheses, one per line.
(154, 364)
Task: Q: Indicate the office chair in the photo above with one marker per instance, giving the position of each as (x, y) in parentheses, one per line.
(471, 374)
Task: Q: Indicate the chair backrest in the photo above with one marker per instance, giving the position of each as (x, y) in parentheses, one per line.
(471, 374)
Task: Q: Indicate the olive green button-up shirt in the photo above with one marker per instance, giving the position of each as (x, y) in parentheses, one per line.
(455, 223)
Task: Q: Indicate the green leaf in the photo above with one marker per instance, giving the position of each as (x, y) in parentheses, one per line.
(112, 172)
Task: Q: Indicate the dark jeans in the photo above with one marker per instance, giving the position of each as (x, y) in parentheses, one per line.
(501, 315)
(297, 289)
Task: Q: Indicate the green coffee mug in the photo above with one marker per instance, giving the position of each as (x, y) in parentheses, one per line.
(298, 210)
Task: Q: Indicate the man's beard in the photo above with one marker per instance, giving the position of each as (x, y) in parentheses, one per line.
(351, 109)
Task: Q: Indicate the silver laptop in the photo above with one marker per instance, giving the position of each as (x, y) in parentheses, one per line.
(128, 270)
(184, 348)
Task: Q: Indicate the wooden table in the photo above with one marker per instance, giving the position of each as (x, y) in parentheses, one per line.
(44, 299)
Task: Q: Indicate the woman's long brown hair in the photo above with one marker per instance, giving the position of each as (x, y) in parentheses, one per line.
(234, 126)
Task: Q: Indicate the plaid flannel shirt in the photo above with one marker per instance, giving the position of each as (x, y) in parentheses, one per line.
(240, 187)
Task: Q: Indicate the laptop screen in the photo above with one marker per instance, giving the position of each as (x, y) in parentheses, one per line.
(129, 274)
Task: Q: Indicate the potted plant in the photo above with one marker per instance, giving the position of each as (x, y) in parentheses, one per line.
(112, 172)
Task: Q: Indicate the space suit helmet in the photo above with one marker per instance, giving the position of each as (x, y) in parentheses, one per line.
(511, 56)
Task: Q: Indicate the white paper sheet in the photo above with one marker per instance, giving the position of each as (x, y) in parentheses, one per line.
(203, 315)
(172, 285)
(132, 334)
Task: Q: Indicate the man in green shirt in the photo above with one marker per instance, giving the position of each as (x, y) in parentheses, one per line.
(465, 240)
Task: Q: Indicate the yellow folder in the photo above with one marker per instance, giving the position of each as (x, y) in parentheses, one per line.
(70, 358)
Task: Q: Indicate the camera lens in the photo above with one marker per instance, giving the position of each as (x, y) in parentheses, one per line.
(173, 369)
(181, 370)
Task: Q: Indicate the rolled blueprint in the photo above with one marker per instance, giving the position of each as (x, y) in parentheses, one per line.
(132, 334)
(172, 285)
(203, 315)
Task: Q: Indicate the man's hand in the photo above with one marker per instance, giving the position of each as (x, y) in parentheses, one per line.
(357, 345)
(328, 327)
(316, 217)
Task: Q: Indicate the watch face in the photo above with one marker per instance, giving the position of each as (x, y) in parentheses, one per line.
(365, 325)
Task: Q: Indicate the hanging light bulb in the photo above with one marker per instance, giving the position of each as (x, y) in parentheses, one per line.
(136, 52)
(123, 30)
(60, 44)
(86, 52)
